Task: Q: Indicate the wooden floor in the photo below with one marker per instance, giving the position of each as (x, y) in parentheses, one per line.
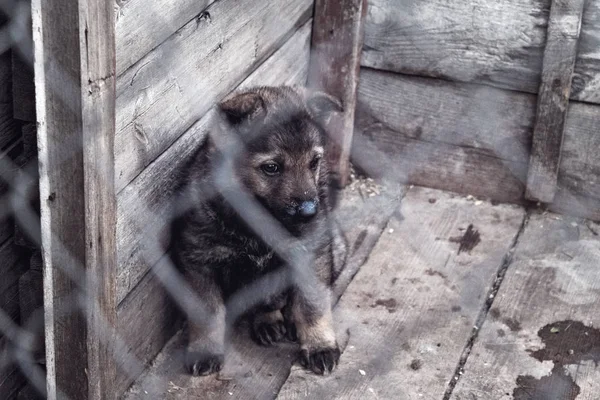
(455, 298)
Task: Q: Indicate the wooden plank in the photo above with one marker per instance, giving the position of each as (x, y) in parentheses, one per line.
(499, 43)
(337, 41)
(11, 383)
(143, 206)
(23, 88)
(12, 266)
(31, 305)
(412, 307)
(253, 371)
(178, 82)
(75, 87)
(554, 277)
(569, 203)
(480, 117)
(6, 218)
(553, 99)
(140, 26)
(8, 126)
(147, 309)
(585, 85)
(580, 163)
(464, 138)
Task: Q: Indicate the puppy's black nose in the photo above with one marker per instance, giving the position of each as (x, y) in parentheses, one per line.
(308, 208)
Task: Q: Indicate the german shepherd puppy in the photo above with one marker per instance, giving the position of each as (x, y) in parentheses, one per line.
(235, 246)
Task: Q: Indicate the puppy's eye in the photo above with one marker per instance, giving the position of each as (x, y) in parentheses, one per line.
(270, 168)
(315, 163)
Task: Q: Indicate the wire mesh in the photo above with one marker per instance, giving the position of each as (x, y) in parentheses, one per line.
(21, 339)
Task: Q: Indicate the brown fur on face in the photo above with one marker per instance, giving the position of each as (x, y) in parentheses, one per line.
(282, 162)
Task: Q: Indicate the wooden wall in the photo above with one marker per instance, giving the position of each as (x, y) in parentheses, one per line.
(20, 267)
(448, 94)
(173, 66)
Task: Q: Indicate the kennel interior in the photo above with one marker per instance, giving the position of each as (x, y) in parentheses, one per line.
(473, 271)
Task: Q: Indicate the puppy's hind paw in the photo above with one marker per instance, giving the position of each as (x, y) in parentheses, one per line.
(320, 360)
(202, 364)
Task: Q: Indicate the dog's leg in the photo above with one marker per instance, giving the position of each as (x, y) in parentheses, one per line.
(205, 350)
(268, 327)
(310, 311)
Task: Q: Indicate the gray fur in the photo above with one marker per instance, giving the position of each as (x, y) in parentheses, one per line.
(228, 262)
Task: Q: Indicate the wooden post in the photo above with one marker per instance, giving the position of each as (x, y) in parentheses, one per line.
(553, 99)
(337, 39)
(74, 51)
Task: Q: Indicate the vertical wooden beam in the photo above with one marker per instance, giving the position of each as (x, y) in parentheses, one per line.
(74, 50)
(337, 39)
(553, 99)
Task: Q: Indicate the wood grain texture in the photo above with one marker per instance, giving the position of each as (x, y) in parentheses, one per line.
(412, 306)
(569, 203)
(75, 90)
(337, 41)
(144, 205)
(579, 170)
(176, 84)
(252, 371)
(554, 276)
(141, 26)
(553, 98)
(143, 215)
(498, 43)
(147, 309)
(465, 138)
(585, 85)
(98, 58)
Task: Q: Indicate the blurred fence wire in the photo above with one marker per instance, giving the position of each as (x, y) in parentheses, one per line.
(21, 337)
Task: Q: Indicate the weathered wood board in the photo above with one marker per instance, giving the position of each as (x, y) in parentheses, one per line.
(176, 84)
(23, 89)
(252, 371)
(143, 206)
(337, 41)
(75, 107)
(525, 350)
(411, 308)
(143, 214)
(470, 139)
(12, 267)
(498, 43)
(579, 170)
(140, 26)
(6, 179)
(553, 98)
(586, 78)
(465, 138)
(8, 126)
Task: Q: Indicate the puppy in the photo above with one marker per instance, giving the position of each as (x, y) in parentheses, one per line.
(257, 237)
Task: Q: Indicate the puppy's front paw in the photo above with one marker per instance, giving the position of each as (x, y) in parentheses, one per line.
(203, 363)
(268, 333)
(321, 360)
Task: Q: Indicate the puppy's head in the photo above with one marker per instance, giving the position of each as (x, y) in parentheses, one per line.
(283, 162)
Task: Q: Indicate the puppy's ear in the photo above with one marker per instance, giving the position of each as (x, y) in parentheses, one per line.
(321, 104)
(242, 107)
